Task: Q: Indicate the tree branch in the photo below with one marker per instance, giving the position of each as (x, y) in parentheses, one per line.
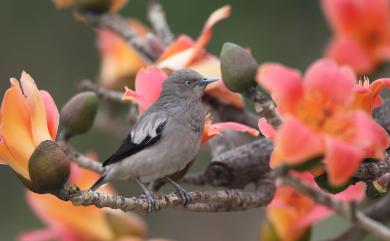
(379, 211)
(159, 22)
(121, 26)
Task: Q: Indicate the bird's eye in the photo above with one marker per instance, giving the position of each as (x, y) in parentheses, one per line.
(188, 82)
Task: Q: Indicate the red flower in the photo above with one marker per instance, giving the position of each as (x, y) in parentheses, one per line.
(361, 32)
(291, 214)
(318, 119)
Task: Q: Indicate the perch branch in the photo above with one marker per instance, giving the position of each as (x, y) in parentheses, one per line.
(205, 201)
(343, 209)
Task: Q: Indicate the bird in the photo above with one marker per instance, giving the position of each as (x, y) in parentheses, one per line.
(165, 139)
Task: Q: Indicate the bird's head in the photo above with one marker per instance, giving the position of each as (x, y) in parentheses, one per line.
(186, 83)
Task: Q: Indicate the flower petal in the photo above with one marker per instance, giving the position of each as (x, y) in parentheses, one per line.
(7, 158)
(266, 129)
(368, 135)
(212, 130)
(342, 160)
(296, 143)
(131, 95)
(149, 82)
(346, 51)
(181, 43)
(283, 83)
(116, 5)
(52, 115)
(18, 140)
(326, 78)
(119, 61)
(36, 109)
(207, 31)
(38, 235)
(368, 98)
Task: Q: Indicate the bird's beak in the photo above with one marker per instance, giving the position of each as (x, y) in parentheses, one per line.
(208, 80)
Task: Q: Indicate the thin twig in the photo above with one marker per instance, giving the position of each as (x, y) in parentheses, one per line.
(379, 211)
(264, 106)
(159, 22)
(121, 26)
(343, 209)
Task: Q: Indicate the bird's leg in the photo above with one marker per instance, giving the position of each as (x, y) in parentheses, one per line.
(181, 191)
(156, 185)
(149, 196)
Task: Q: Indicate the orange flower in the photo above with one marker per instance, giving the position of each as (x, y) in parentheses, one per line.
(28, 117)
(318, 119)
(76, 223)
(115, 5)
(119, 61)
(148, 86)
(361, 32)
(367, 95)
(291, 214)
(184, 52)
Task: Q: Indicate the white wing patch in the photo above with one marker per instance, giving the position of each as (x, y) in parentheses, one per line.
(147, 127)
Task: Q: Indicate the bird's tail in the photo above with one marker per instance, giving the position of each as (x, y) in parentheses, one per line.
(101, 181)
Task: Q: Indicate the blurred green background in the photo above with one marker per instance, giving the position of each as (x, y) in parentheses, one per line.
(57, 51)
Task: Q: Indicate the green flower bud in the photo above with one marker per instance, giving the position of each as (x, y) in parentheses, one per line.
(93, 6)
(49, 168)
(78, 114)
(238, 68)
(322, 182)
(379, 187)
(307, 165)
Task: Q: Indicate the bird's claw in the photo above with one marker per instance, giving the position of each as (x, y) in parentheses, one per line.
(152, 205)
(184, 195)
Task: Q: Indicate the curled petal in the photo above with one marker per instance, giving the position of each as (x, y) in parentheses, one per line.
(283, 83)
(212, 130)
(296, 143)
(368, 98)
(346, 51)
(329, 80)
(207, 31)
(131, 95)
(181, 43)
(36, 109)
(342, 160)
(52, 115)
(266, 129)
(368, 135)
(18, 140)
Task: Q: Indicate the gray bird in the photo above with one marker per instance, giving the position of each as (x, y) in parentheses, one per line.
(165, 139)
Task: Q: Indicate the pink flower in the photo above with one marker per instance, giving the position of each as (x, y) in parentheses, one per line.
(318, 119)
(361, 32)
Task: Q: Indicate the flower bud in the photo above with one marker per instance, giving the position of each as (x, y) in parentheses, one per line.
(93, 6)
(379, 187)
(78, 114)
(238, 68)
(49, 168)
(323, 183)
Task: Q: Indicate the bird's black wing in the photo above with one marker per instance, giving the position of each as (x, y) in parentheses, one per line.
(144, 134)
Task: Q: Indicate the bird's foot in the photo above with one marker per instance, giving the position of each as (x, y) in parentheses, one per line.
(184, 195)
(152, 205)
